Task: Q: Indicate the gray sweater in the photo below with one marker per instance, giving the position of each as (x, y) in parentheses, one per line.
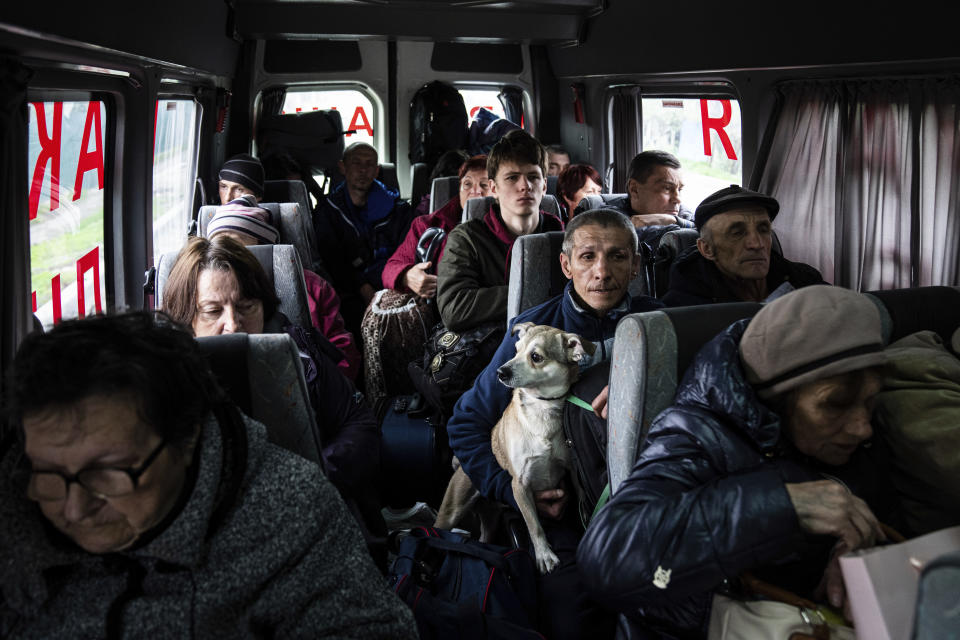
(261, 547)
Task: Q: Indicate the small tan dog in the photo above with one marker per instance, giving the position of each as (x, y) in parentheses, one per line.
(528, 440)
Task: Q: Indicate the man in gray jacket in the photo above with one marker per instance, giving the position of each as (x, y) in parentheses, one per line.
(136, 502)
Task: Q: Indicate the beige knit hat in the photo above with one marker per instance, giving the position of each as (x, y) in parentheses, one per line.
(809, 334)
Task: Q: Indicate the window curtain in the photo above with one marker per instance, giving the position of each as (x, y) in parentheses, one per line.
(626, 127)
(15, 316)
(865, 173)
(511, 99)
(272, 101)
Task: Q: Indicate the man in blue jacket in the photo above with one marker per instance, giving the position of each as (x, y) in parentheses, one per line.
(358, 227)
(599, 258)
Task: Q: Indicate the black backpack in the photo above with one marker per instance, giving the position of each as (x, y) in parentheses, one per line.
(461, 588)
(438, 122)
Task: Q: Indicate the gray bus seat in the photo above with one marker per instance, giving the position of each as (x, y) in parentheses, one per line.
(419, 182)
(535, 274)
(650, 353)
(552, 185)
(596, 202)
(442, 190)
(671, 244)
(263, 375)
(478, 207)
(295, 229)
(388, 176)
(295, 191)
(283, 268)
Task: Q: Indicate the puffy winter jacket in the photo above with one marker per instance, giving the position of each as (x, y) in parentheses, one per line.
(707, 501)
(696, 280)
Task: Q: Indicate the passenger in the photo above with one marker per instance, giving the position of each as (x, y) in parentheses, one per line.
(757, 466)
(448, 165)
(472, 276)
(358, 227)
(599, 258)
(557, 159)
(732, 261)
(138, 503)
(241, 175)
(576, 182)
(403, 272)
(215, 287)
(249, 225)
(654, 184)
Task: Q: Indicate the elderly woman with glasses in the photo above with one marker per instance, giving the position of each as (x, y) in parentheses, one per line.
(135, 501)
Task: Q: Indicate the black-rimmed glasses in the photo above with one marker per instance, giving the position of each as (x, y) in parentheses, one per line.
(105, 482)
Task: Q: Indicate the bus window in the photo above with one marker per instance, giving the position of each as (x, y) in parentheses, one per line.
(704, 134)
(65, 173)
(474, 99)
(356, 110)
(174, 172)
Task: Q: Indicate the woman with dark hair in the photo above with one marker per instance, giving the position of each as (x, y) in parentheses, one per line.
(576, 182)
(215, 287)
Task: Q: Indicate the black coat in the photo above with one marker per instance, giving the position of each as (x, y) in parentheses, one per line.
(696, 280)
(706, 501)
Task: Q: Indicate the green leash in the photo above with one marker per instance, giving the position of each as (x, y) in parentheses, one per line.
(605, 494)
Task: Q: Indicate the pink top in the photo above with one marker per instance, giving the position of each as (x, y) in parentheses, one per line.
(325, 314)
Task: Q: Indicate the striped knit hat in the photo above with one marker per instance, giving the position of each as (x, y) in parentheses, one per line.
(246, 170)
(244, 216)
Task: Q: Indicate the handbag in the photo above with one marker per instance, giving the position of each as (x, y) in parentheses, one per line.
(782, 615)
(452, 361)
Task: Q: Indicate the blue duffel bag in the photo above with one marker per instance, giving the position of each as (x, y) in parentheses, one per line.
(461, 588)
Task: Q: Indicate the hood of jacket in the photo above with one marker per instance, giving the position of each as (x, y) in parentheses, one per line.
(494, 222)
(715, 381)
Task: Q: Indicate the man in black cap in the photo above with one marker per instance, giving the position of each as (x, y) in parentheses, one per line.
(240, 176)
(732, 261)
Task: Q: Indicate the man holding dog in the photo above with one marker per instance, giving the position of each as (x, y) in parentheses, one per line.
(599, 258)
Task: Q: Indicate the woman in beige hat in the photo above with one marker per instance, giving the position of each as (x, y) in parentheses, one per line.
(758, 466)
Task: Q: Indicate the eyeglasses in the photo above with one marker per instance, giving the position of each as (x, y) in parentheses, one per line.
(107, 482)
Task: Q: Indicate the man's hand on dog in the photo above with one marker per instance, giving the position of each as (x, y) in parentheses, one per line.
(551, 503)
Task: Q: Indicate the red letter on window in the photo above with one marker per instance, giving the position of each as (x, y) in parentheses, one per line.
(717, 124)
(360, 116)
(55, 303)
(90, 160)
(49, 152)
(84, 264)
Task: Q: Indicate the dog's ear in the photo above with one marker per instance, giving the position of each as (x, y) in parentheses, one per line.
(577, 347)
(520, 329)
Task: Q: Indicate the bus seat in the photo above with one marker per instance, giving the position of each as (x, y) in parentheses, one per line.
(284, 270)
(295, 229)
(295, 191)
(442, 190)
(477, 208)
(535, 274)
(388, 176)
(552, 185)
(596, 202)
(419, 182)
(650, 353)
(671, 244)
(906, 311)
(263, 375)
(550, 205)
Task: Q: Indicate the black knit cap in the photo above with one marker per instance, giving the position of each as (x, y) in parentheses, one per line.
(246, 170)
(733, 197)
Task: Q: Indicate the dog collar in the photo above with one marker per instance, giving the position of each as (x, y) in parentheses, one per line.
(557, 398)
